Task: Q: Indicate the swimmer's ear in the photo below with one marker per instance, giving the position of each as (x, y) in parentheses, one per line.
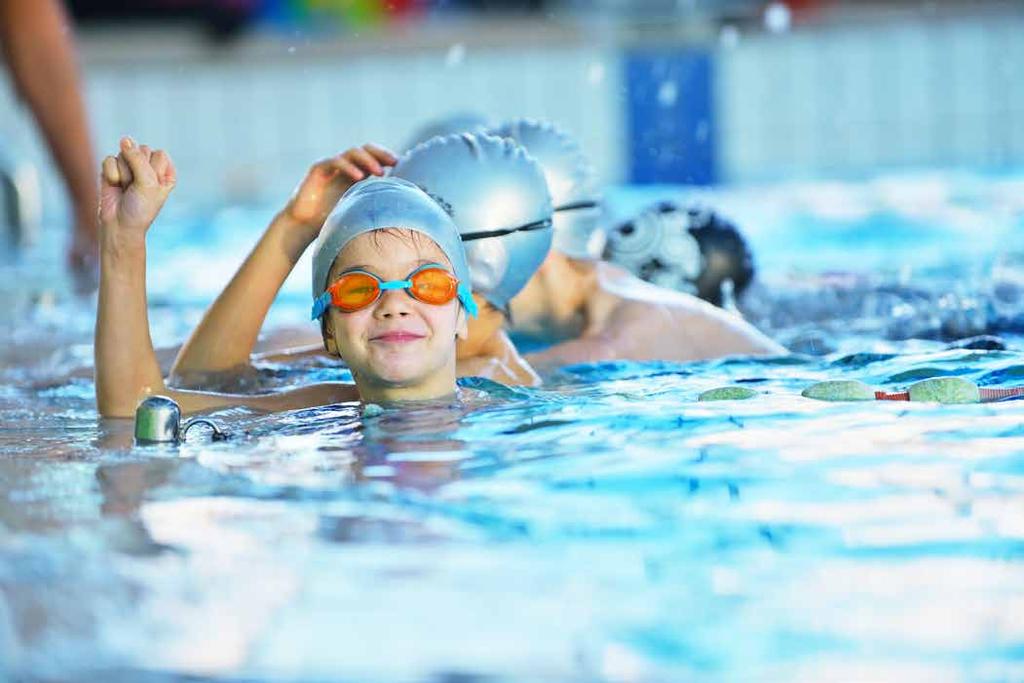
(462, 325)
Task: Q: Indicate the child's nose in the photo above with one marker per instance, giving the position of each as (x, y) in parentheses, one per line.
(393, 302)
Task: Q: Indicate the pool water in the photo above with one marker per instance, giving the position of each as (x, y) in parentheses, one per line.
(605, 527)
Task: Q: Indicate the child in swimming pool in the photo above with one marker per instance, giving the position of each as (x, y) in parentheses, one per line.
(391, 289)
(595, 310)
(499, 200)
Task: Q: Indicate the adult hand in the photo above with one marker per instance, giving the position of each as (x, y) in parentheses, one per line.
(83, 251)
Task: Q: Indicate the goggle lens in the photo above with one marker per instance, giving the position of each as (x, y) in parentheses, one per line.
(431, 285)
(354, 291)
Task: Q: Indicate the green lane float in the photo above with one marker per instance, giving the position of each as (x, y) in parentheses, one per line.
(948, 390)
(945, 390)
(727, 394)
(839, 390)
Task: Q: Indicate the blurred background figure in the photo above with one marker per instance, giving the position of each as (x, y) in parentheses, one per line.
(39, 48)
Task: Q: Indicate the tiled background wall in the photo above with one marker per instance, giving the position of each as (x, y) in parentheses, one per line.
(244, 129)
(822, 102)
(850, 101)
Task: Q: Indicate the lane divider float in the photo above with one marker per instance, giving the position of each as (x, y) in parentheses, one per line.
(950, 390)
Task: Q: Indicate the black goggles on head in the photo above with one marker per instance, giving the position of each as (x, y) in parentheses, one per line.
(575, 206)
(483, 234)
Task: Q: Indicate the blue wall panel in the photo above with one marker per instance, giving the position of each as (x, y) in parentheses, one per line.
(671, 122)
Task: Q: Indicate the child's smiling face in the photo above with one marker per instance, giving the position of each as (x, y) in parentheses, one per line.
(397, 347)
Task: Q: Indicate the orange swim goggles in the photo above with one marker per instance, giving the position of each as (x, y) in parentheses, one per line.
(357, 289)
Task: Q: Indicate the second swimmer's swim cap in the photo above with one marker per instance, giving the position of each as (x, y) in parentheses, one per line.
(379, 203)
(571, 181)
(498, 198)
(452, 124)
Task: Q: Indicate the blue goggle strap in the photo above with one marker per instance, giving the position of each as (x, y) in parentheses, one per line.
(465, 295)
(320, 305)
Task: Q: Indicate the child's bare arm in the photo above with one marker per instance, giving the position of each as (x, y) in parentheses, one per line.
(134, 187)
(228, 332)
(292, 354)
(645, 330)
(582, 350)
(323, 393)
(500, 361)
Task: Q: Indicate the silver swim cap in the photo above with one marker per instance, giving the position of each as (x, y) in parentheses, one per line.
(497, 196)
(572, 182)
(377, 203)
(453, 124)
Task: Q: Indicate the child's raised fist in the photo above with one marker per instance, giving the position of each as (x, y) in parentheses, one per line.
(134, 186)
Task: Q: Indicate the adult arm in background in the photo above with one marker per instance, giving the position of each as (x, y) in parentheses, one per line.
(38, 45)
(227, 334)
(134, 187)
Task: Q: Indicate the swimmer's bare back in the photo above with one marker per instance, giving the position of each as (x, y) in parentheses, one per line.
(629, 319)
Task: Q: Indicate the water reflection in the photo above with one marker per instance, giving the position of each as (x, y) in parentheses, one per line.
(606, 526)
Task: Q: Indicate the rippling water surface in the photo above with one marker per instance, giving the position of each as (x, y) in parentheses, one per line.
(605, 527)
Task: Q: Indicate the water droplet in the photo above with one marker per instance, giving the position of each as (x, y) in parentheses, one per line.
(291, 49)
(456, 55)
(619, 663)
(702, 131)
(668, 92)
(595, 73)
(726, 581)
(777, 17)
(729, 36)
